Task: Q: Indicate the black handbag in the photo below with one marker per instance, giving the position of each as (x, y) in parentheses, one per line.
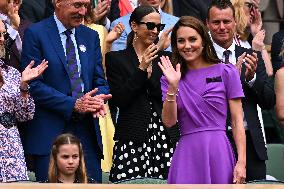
(8, 120)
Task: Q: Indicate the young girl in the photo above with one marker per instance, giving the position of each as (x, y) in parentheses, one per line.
(67, 163)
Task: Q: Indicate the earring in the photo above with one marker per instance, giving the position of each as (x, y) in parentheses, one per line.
(135, 37)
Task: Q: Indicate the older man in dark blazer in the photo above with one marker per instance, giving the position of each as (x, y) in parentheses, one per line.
(256, 85)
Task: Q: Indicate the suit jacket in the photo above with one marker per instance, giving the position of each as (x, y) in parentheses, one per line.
(261, 93)
(276, 45)
(197, 9)
(35, 10)
(132, 92)
(52, 91)
(120, 43)
(15, 56)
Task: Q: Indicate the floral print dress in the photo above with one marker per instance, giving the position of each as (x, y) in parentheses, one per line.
(13, 108)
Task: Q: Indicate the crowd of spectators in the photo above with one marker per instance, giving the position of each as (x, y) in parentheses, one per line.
(137, 88)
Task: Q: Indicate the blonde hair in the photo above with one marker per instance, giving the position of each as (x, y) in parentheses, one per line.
(167, 6)
(81, 173)
(240, 18)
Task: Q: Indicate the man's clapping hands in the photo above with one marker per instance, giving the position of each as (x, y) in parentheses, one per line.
(91, 103)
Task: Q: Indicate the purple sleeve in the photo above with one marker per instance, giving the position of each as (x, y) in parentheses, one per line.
(232, 82)
(164, 87)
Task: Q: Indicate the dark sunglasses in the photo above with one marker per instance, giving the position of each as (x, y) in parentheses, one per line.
(152, 25)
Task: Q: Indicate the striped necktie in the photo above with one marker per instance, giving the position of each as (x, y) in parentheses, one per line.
(227, 53)
(75, 79)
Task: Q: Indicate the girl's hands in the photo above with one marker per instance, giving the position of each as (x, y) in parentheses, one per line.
(173, 75)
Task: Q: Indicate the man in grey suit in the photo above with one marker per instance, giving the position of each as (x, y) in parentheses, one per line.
(167, 19)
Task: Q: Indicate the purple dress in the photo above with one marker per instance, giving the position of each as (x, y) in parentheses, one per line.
(204, 154)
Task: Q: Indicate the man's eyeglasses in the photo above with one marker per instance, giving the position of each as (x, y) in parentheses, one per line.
(250, 5)
(152, 25)
(78, 5)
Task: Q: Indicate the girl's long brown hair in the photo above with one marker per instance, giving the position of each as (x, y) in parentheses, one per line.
(81, 173)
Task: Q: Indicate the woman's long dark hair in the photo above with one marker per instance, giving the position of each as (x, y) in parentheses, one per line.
(136, 16)
(6, 48)
(208, 52)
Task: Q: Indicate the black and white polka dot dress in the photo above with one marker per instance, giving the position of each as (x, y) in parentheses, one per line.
(149, 159)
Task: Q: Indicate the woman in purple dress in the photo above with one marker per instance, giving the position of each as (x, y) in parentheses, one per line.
(196, 94)
(16, 105)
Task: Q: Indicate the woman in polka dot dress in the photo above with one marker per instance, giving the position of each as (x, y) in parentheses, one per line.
(143, 147)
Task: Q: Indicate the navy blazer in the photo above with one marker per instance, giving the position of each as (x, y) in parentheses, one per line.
(262, 94)
(52, 91)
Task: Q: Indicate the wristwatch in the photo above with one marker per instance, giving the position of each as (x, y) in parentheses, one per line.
(24, 89)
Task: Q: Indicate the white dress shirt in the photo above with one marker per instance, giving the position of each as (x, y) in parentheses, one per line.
(63, 37)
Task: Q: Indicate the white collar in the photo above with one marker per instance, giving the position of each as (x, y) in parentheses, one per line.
(5, 18)
(60, 26)
(220, 51)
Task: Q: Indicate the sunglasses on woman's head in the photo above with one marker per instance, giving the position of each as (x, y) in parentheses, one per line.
(152, 25)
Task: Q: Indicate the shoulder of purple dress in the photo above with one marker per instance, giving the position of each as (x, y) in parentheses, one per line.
(230, 70)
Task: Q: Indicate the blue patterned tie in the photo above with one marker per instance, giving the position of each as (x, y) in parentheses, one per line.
(227, 56)
(75, 79)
